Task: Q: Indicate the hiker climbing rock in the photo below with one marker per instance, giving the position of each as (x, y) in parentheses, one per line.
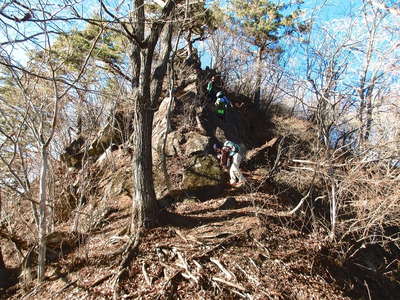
(212, 88)
(230, 157)
(222, 103)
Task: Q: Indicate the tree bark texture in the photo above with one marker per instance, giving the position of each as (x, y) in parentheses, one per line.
(42, 212)
(145, 206)
(257, 91)
(2, 264)
(145, 100)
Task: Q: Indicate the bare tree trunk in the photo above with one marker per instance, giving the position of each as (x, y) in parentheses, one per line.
(78, 209)
(367, 80)
(333, 209)
(137, 21)
(368, 125)
(257, 91)
(35, 213)
(42, 212)
(361, 119)
(2, 264)
(145, 206)
(365, 113)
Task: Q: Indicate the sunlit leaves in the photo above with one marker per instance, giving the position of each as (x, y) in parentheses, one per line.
(264, 22)
(72, 47)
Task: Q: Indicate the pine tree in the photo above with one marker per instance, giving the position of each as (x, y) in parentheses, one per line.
(263, 24)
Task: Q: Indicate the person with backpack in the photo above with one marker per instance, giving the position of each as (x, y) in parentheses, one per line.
(230, 157)
(211, 86)
(222, 103)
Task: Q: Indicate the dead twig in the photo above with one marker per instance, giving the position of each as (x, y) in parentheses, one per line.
(301, 202)
(146, 276)
(101, 280)
(229, 275)
(231, 284)
(180, 235)
(224, 241)
(65, 287)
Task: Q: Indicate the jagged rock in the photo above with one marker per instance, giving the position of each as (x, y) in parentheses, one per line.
(370, 257)
(161, 127)
(219, 134)
(72, 156)
(111, 133)
(191, 199)
(173, 143)
(59, 241)
(106, 156)
(118, 182)
(196, 143)
(203, 177)
(107, 136)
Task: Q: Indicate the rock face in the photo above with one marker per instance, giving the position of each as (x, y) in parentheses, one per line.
(117, 129)
(161, 126)
(196, 143)
(72, 155)
(203, 177)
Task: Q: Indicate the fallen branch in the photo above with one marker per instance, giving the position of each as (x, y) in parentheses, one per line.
(65, 287)
(217, 235)
(306, 196)
(251, 154)
(218, 245)
(231, 284)
(323, 164)
(146, 276)
(300, 203)
(183, 264)
(170, 279)
(101, 280)
(181, 235)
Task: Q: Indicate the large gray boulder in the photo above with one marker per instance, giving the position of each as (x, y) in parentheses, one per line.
(196, 143)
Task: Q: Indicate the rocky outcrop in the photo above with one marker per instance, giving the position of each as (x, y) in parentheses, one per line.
(161, 127)
(117, 129)
(73, 154)
(196, 143)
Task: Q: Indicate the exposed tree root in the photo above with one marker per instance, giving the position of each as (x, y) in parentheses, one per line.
(127, 256)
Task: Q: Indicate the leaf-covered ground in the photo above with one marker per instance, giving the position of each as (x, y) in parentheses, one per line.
(240, 245)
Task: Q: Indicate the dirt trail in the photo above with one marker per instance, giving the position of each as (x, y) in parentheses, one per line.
(231, 247)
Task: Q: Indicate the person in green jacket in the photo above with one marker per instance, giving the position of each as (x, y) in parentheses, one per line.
(222, 103)
(212, 87)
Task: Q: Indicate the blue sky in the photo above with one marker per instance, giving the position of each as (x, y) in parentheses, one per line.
(322, 12)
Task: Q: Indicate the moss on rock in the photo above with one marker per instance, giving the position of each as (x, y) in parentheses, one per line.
(203, 177)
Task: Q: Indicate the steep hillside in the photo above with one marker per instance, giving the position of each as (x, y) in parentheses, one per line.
(213, 241)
